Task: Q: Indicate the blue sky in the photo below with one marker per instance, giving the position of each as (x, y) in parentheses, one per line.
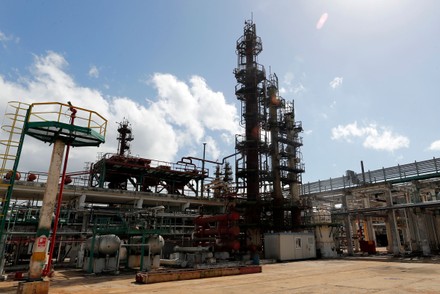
(365, 75)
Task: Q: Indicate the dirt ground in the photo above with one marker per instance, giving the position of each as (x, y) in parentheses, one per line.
(311, 276)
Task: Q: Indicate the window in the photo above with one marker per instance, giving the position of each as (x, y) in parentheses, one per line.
(298, 243)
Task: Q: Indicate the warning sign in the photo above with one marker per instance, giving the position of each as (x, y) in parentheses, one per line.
(41, 243)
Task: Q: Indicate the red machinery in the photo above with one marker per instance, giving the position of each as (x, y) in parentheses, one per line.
(220, 231)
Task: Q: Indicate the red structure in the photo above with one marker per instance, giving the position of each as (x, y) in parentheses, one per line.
(220, 231)
(118, 171)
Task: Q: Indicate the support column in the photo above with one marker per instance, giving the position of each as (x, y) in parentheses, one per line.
(348, 228)
(355, 231)
(392, 230)
(420, 224)
(407, 236)
(369, 229)
(40, 247)
(423, 232)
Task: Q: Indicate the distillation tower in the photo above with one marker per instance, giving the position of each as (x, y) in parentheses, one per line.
(269, 169)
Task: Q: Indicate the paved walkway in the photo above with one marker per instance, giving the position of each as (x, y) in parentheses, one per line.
(312, 276)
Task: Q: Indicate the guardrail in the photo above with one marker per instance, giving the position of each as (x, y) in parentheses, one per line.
(396, 174)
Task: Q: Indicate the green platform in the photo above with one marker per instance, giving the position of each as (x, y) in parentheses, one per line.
(76, 136)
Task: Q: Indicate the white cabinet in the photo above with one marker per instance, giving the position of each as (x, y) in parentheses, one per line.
(289, 246)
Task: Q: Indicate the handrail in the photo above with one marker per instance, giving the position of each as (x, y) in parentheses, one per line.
(59, 112)
(394, 174)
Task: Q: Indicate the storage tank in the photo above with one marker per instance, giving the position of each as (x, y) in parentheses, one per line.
(104, 244)
(156, 243)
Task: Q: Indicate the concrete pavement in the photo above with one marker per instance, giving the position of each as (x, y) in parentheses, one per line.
(311, 276)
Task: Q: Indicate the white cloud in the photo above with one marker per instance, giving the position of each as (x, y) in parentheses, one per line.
(336, 82)
(288, 78)
(299, 89)
(374, 137)
(435, 146)
(212, 148)
(194, 107)
(4, 39)
(290, 87)
(94, 72)
(177, 120)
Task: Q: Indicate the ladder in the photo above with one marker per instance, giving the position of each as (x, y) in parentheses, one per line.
(15, 116)
(14, 120)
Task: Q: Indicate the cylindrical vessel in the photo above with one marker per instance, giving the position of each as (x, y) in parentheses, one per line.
(156, 243)
(105, 244)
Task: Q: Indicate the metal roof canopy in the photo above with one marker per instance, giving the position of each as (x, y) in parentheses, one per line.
(50, 131)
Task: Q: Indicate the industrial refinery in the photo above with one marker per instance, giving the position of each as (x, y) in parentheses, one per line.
(200, 217)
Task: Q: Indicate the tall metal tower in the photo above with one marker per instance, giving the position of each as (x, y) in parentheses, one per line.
(270, 167)
(125, 136)
(250, 90)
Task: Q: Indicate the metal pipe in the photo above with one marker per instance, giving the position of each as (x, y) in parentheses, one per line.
(203, 169)
(196, 158)
(134, 245)
(192, 249)
(229, 156)
(176, 261)
(363, 172)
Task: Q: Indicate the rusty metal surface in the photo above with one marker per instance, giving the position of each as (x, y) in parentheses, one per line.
(189, 274)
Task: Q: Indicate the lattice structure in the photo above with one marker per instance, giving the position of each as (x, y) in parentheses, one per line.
(270, 156)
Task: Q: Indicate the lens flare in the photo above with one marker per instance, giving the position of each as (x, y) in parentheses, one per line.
(322, 21)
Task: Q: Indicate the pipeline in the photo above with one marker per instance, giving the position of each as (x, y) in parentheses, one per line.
(192, 249)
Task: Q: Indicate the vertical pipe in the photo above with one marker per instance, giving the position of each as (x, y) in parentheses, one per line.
(203, 170)
(142, 252)
(278, 212)
(363, 172)
(348, 228)
(92, 251)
